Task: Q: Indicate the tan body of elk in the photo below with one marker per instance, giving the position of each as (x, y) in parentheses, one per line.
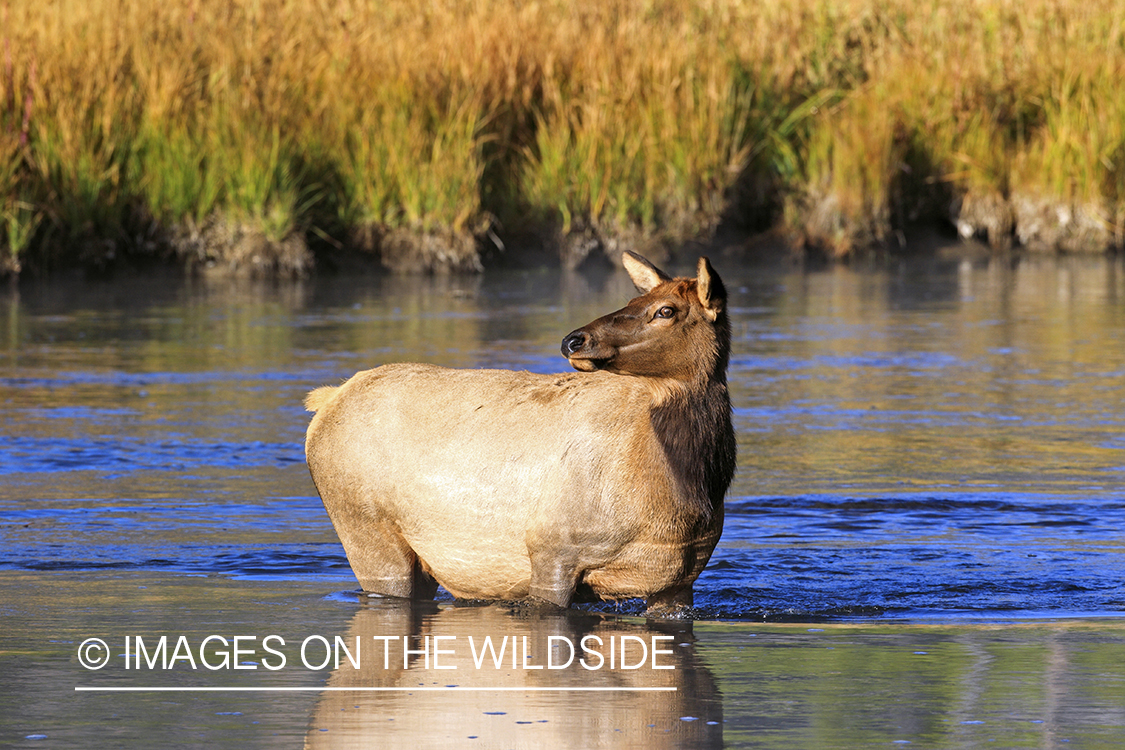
(511, 485)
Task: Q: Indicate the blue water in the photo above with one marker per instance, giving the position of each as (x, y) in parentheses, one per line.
(930, 440)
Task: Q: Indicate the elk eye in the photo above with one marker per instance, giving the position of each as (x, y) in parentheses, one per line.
(666, 312)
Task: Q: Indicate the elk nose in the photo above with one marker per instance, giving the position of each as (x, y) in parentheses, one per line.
(573, 342)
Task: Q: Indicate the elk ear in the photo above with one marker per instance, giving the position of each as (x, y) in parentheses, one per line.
(712, 293)
(645, 276)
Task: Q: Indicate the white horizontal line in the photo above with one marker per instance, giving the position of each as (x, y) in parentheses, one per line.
(325, 689)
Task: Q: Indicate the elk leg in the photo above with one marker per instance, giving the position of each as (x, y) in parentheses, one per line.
(552, 579)
(383, 567)
(381, 560)
(670, 600)
(425, 587)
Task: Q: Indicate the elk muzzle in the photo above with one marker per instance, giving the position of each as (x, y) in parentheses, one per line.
(583, 352)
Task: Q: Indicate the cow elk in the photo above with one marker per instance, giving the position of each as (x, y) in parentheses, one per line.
(607, 482)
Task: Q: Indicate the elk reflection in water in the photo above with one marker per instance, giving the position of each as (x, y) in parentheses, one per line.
(452, 687)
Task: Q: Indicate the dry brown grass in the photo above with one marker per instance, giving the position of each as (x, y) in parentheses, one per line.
(130, 126)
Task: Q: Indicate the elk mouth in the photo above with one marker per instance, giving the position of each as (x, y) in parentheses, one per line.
(588, 364)
(584, 354)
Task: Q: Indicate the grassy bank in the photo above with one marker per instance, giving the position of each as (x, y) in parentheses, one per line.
(239, 135)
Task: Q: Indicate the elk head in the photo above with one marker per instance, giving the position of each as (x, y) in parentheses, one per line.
(676, 330)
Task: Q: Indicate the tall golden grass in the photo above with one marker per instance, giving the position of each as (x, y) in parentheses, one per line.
(240, 132)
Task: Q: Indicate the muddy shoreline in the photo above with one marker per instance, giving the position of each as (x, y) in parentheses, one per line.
(1019, 225)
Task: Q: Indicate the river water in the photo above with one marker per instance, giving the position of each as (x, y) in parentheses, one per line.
(924, 541)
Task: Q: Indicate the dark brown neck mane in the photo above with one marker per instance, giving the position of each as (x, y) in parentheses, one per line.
(694, 429)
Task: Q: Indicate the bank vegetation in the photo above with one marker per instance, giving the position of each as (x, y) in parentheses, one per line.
(269, 136)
